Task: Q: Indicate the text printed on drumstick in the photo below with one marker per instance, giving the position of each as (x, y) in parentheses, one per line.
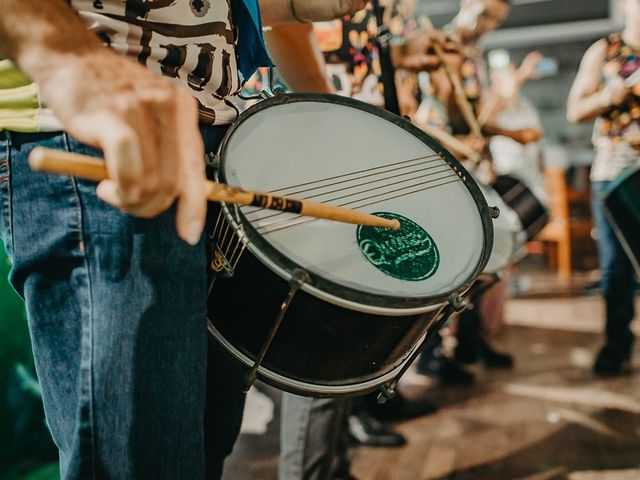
(277, 203)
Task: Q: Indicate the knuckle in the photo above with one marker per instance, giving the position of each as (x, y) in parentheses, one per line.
(150, 186)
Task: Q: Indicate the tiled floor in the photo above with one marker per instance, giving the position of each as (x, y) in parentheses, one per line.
(549, 418)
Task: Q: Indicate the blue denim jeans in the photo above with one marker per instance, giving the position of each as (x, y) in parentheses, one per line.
(117, 315)
(617, 283)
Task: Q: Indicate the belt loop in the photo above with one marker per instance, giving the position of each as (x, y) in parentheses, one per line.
(7, 135)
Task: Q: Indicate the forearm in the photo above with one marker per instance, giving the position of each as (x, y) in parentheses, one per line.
(586, 99)
(523, 136)
(490, 130)
(297, 54)
(278, 12)
(42, 36)
(398, 53)
(587, 107)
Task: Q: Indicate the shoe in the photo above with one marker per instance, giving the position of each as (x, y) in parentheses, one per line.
(366, 430)
(493, 358)
(466, 354)
(610, 360)
(399, 408)
(446, 371)
(452, 374)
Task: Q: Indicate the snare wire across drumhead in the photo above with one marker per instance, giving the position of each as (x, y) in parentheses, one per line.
(400, 185)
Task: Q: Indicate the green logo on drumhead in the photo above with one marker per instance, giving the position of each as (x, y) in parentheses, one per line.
(408, 253)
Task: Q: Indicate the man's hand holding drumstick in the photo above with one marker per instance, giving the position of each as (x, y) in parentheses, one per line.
(146, 127)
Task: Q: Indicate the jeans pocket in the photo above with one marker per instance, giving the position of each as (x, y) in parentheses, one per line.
(5, 195)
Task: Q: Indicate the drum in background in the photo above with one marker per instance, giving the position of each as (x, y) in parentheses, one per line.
(360, 299)
(509, 236)
(622, 206)
(532, 213)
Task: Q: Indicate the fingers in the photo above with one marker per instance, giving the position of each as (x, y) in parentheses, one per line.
(192, 201)
(138, 166)
(154, 158)
(421, 53)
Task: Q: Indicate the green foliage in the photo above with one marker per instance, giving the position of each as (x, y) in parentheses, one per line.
(24, 436)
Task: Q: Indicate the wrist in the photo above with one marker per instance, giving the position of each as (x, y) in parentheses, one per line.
(295, 13)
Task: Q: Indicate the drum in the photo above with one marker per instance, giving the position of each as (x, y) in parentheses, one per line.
(509, 236)
(532, 213)
(622, 206)
(321, 308)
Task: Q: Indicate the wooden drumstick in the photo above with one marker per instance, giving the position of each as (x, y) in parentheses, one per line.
(65, 163)
(461, 97)
(452, 143)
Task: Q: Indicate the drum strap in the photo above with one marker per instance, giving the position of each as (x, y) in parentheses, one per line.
(388, 71)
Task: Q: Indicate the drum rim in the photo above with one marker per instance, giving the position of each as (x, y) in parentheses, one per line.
(322, 287)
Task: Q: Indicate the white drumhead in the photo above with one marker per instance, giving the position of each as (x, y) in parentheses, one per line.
(508, 234)
(337, 154)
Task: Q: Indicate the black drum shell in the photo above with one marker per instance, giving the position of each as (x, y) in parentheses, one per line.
(622, 204)
(318, 343)
(532, 213)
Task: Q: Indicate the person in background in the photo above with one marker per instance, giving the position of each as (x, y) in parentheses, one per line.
(506, 107)
(600, 92)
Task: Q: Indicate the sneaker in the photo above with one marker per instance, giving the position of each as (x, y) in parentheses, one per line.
(452, 374)
(366, 430)
(610, 361)
(493, 358)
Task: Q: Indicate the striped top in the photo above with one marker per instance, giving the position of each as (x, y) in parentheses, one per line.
(191, 42)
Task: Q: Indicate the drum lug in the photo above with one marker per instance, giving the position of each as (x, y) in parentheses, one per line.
(388, 390)
(280, 95)
(298, 278)
(212, 164)
(457, 302)
(495, 212)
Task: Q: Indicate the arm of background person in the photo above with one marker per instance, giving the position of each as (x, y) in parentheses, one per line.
(585, 100)
(147, 128)
(297, 54)
(523, 135)
(277, 12)
(416, 53)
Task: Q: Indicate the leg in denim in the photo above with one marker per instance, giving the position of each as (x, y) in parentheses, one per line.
(617, 282)
(116, 307)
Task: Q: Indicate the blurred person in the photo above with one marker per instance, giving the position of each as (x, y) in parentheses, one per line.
(510, 109)
(439, 109)
(600, 92)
